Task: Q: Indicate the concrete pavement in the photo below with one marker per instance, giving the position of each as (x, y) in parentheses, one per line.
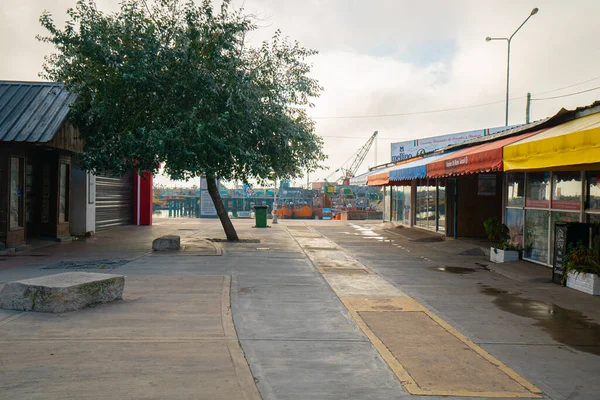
(299, 339)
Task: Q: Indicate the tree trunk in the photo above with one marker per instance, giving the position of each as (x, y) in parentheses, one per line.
(213, 190)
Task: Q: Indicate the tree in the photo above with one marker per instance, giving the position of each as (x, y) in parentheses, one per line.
(177, 83)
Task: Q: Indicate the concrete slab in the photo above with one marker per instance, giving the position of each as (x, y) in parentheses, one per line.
(300, 370)
(438, 361)
(61, 292)
(171, 337)
(362, 286)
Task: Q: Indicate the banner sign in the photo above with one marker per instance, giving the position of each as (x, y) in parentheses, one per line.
(412, 148)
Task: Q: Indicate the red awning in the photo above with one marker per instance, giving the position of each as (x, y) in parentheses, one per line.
(481, 158)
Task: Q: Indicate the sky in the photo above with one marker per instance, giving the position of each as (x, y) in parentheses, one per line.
(384, 57)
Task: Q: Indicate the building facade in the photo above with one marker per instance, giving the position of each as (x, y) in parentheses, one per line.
(43, 193)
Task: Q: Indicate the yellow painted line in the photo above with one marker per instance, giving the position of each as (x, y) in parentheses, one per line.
(410, 305)
(407, 304)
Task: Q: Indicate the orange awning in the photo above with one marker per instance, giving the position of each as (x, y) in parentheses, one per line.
(381, 177)
(481, 158)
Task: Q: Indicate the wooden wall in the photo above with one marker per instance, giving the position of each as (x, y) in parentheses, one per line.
(67, 138)
(474, 209)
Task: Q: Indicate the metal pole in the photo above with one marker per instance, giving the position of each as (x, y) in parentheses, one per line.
(528, 109)
(507, 81)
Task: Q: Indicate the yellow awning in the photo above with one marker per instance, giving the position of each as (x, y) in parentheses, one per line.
(574, 143)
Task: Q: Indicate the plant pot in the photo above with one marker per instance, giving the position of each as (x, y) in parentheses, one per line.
(500, 256)
(586, 283)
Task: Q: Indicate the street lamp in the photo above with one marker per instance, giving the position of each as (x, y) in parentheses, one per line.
(508, 40)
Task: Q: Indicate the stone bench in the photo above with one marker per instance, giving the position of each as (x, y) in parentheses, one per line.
(61, 292)
(170, 242)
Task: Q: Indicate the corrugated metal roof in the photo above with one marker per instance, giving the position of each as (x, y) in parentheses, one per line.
(32, 111)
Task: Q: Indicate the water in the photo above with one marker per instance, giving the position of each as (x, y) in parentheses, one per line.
(568, 327)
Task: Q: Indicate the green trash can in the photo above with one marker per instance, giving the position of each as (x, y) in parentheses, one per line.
(260, 214)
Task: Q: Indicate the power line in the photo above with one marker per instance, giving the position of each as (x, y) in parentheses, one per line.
(418, 112)
(361, 137)
(567, 95)
(570, 86)
(466, 107)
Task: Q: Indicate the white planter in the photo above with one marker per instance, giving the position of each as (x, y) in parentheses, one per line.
(500, 256)
(586, 283)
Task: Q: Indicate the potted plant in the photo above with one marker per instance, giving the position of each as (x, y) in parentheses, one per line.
(582, 269)
(505, 250)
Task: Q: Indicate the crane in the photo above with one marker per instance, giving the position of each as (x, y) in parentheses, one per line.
(357, 160)
(360, 156)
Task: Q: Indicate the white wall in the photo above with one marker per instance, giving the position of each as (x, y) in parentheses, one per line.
(83, 214)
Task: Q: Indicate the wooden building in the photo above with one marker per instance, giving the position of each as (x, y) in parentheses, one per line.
(36, 147)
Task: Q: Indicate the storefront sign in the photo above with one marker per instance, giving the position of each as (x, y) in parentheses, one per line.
(560, 248)
(566, 205)
(412, 148)
(457, 161)
(486, 185)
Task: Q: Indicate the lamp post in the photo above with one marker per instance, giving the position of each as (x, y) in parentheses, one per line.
(508, 40)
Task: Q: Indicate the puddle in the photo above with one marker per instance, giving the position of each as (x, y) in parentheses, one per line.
(456, 270)
(568, 327)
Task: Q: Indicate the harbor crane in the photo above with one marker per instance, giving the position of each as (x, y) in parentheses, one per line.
(357, 160)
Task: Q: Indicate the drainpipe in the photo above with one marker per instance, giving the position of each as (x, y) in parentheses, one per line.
(455, 208)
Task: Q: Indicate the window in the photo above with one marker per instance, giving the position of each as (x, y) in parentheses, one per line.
(560, 216)
(441, 209)
(536, 235)
(514, 221)
(402, 204)
(515, 185)
(16, 193)
(63, 205)
(592, 200)
(538, 190)
(566, 190)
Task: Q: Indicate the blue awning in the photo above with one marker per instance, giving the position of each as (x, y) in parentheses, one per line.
(413, 170)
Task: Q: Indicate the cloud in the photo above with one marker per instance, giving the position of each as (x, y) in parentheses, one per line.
(389, 56)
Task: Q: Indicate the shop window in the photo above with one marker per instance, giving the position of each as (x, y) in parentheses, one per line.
(441, 209)
(426, 205)
(566, 190)
(16, 192)
(63, 205)
(536, 235)
(538, 190)
(402, 204)
(515, 184)
(593, 190)
(559, 216)
(593, 218)
(514, 221)
(387, 205)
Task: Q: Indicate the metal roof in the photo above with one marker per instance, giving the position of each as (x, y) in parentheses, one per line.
(32, 111)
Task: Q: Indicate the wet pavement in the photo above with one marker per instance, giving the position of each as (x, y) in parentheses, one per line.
(302, 342)
(546, 333)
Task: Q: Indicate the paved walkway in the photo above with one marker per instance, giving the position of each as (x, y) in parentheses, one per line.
(307, 330)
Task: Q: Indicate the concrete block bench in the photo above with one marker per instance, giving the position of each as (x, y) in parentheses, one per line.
(61, 292)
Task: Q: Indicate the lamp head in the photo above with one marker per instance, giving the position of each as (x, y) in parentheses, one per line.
(534, 11)
(487, 39)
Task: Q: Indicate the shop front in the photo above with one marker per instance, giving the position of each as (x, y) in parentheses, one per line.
(552, 177)
(415, 199)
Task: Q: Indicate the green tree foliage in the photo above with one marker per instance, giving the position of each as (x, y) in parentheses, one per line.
(177, 83)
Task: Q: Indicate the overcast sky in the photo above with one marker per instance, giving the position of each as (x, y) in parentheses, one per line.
(396, 56)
